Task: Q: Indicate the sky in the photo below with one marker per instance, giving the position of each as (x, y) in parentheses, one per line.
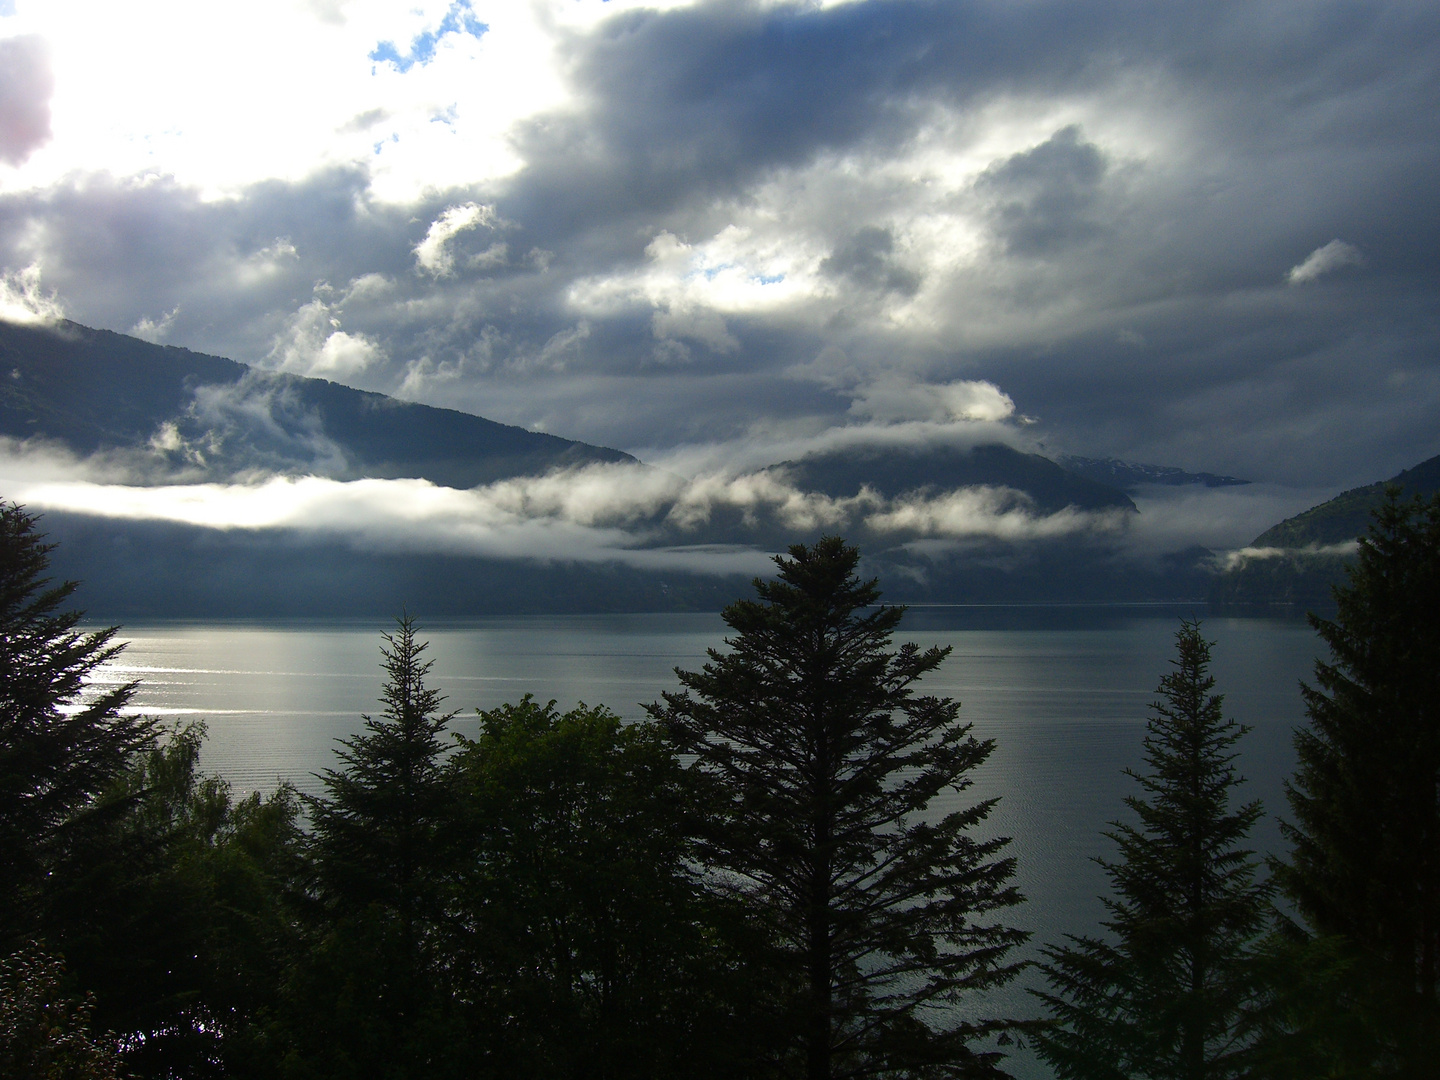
(1202, 235)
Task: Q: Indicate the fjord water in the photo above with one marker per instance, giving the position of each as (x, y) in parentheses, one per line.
(1063, 692)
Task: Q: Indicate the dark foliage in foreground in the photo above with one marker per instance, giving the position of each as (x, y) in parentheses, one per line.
(60, 748)
(570, 896)
(883, 911)
(1168, 994)
(1364, 869)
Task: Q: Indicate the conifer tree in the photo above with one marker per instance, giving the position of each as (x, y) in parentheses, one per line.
(1166, 995)
(881, 909)
(366, 1002)
(1364, 869)
(375, 827)
(60, 746)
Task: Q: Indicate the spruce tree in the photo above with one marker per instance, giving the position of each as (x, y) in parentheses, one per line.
(367, 1002)
(882, 910)
(1364, 869)
(1166, 995)
(375, 827)
(62, 742)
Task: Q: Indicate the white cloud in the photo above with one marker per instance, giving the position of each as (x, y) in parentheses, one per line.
(446, 107)
(433, 254)
(990, 512)
(1234, 560)
(1323, 260)
(599, 513)
(23, 300)
(690, 288)
(155, 330)
(312, 343)
(898, 398)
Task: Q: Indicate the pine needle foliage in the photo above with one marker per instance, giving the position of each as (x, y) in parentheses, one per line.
(61, 743)
(376, 825)
(829, 769)
(368, 1002)
(1167, 995)
(1365, 840)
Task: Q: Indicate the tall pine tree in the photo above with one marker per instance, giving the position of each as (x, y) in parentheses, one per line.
(882, 910)
(1166, 996)
(367, 1002)
(1364, 869)
(61, 743)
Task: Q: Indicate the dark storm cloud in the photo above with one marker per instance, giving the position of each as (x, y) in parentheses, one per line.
(1128, 271)
(1042, 196)
(26, 84)
(867, 258)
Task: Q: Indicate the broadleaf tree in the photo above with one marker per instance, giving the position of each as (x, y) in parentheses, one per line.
(1168, 995)
(835, 824)
(578, 927)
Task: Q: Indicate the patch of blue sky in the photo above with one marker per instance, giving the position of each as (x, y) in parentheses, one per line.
(460, 19)
(769, 279)
(7, 7)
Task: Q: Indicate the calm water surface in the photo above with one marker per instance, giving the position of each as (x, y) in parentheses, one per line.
(1063, 692)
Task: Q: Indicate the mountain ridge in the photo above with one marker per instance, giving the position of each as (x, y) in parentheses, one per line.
(1301, 559)
(97, 391)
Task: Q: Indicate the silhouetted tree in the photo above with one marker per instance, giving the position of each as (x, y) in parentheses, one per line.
(1168, 995)
(880, 905)
(61, 743)
(366, 1001)
(578, 926)
(1364, 869)
(173, 910)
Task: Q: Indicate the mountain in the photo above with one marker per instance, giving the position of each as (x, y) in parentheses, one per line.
(185, 414)
(1347, 516)
(899, 470)
(1128, 475)
(1301, 558)
(165, 415)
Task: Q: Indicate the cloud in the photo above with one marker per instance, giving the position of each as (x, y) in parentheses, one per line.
(433, 255)
(1226, 518)
(23, 300)
(1239, 558)
(155, 330)
(459, 19)
(898, 398)
(312, 343)
(627, 513)
(1041, 198)
(246, 427)
(990, 512)
(1093, 215)
(867, 257)
(26, 83)
(1323, 260)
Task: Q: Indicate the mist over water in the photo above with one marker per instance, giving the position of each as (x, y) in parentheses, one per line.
(1063, 691)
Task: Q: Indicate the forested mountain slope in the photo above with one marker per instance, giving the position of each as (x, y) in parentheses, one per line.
(94, 390)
